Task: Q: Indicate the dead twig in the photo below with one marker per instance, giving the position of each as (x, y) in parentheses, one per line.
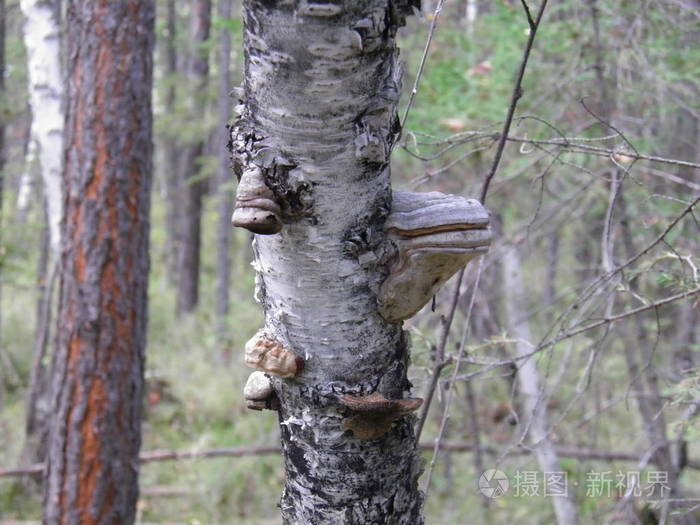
(516, 96)
(457, 446)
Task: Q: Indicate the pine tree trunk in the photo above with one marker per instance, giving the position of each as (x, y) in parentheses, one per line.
(225, 181)
(321, 91)
(193, 187)
(92, 472)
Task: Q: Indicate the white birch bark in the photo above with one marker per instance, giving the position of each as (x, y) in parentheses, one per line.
(26, 182)
(531, 394)
(321, 91)
(471, 11)
(42, 40)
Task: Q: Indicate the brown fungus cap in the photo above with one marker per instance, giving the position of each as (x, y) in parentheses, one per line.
(256, 208)
(269, 355)
(375, 414)
(377, 403)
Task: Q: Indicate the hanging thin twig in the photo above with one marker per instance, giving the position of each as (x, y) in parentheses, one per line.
(424, 58)
(440, 361)
(517, 94)
(453, 380)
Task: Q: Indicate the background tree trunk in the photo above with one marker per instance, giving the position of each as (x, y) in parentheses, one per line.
(92, 472)
(193, 186)
(42, 39)
(26, 183)
(321, 90)
(38, 415)
(225, 182)
(471, 12)
(2, 169)
(43, 43)
(532, 397)
(171, 179)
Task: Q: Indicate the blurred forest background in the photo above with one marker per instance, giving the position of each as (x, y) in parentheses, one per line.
(594, 267)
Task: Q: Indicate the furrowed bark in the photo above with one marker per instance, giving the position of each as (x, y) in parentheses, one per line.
(193, 189)
(319, 121)
(92, 471)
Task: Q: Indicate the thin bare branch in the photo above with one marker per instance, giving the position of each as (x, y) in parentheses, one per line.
(419, 74)
(457, 446)
(515, 97)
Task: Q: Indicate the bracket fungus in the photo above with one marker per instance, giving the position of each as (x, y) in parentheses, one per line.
(259, 393)
(256, 208)
(374, 414)
(269, 355)
(436, 235)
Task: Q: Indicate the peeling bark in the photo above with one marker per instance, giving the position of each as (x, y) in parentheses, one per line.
(319, 121)
(92, 471)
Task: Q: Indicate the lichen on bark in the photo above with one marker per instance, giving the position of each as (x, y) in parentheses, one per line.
(318, 117)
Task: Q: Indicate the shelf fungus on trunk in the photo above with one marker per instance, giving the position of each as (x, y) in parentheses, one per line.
(269, 355)
(259, 393)
(436, 235)
(374, 414)
(256, 208)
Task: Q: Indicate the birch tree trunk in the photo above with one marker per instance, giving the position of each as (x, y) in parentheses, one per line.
(471, 12)
(42, 39)
(92, 471)
(25, 188)
(321, 91)
(531, 393)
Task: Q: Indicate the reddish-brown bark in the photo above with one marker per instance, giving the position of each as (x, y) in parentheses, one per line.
(92, 473)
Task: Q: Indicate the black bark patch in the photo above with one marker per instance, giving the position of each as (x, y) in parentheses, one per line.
(295, 198)
(354, 463)
(367, 234)
(296, 457)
